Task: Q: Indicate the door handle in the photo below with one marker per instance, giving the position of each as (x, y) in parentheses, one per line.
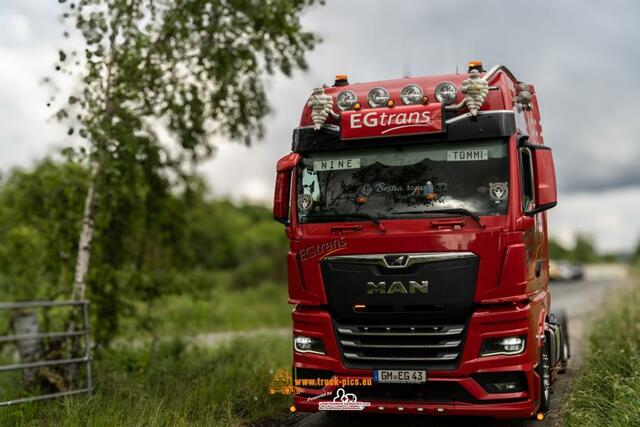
(448, 223)
(345, 228)
(538, 267)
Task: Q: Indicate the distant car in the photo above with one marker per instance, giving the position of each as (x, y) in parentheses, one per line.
(565, 271)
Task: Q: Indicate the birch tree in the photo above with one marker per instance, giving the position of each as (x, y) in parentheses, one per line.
(189, 70)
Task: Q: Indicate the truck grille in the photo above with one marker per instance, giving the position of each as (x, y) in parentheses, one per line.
(446, 280)
(432, 347)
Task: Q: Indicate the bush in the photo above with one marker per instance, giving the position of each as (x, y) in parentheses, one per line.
(607, 391)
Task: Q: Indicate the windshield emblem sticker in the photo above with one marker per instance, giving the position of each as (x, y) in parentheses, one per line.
(306, 201)
(335, 164)
(465, 155)
(498, 191)
(429, 194)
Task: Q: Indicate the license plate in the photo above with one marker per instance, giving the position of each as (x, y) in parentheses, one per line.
(399, 376)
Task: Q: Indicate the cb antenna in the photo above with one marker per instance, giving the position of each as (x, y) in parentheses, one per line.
(406, 62)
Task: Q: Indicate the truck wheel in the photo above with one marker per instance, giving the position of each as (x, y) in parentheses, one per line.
(544, 370)
(566, 343)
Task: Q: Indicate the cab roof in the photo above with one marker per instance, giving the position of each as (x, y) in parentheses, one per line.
(500, 97)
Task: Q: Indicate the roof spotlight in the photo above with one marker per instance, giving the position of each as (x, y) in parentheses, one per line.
(411, 94)
(446, 92)
(346, 100)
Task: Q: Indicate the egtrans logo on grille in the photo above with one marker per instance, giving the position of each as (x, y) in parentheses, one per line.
(383, 122)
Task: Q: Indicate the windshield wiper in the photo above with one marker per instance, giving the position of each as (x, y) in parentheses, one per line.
(460, 211)
(355, 215)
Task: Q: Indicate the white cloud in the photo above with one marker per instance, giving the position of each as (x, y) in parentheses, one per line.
(610, 217)
(581, 56)
(26, 57)
(25, 133)
(16, 27)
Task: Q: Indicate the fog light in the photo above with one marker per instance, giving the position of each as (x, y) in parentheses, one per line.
(304, 344)
(506, 387)
(502, 382)
(503, 346)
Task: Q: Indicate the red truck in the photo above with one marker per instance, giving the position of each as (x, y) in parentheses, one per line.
(418, 263)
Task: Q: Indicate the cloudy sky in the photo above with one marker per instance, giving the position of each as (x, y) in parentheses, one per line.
(582, 56)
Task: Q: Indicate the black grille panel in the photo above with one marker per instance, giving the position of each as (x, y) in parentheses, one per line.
(401, 310)
(429, 285)
(432, 347)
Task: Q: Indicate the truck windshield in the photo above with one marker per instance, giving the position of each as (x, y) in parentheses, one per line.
(404, 181)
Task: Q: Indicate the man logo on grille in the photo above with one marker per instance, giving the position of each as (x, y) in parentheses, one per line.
(396, 260)
(397, 287)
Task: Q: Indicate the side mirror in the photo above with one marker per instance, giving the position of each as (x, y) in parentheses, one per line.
(542, 170)
(545, 178)
(282, 194)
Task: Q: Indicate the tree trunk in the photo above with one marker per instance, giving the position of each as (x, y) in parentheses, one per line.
(82, 268)
(86, 236)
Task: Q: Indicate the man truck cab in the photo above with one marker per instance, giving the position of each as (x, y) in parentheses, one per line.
(416, 214)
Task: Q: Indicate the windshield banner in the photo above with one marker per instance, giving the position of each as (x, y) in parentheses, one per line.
(383, 122)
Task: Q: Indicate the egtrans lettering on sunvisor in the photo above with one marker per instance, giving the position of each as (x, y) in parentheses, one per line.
(401, 120)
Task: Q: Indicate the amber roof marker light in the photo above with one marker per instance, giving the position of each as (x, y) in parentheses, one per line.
(341, 80)
(475, 65)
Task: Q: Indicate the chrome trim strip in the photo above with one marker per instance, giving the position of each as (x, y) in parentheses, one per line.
(452, 331)
(446, 356)
(480, 113)
(310, 352)
(380, 259)
(494, 70)
(328, 126)
(449, 344)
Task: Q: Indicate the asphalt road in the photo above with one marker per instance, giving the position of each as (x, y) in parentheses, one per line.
(579, 299)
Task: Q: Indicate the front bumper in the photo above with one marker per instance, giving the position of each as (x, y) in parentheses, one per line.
(446, 392)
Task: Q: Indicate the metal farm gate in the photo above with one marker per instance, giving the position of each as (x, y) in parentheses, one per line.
(31, 336)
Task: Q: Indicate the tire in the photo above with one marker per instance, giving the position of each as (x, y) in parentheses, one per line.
(544, 371)
(564, 323)
(566, 343)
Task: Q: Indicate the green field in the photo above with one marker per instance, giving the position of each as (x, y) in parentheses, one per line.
(220, 308)
(180, 386)
(607, 390)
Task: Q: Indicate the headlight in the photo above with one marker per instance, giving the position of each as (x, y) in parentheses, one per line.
(378, 97)
(503, 346)
(304, 344)
(346, 100)
(411, 94)
(446, 92)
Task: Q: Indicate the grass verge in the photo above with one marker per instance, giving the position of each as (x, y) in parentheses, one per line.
(179, 386)
(222, 307)
(607, 389)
